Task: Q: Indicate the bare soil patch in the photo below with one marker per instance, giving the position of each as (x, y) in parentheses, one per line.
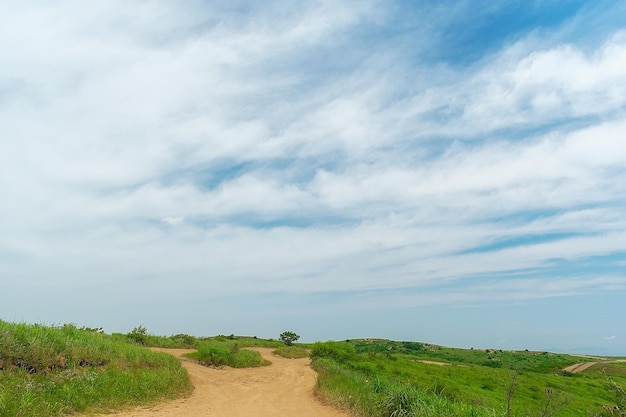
(579, 367)
(432, 362)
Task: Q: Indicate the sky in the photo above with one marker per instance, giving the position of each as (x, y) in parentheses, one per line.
(451, 172)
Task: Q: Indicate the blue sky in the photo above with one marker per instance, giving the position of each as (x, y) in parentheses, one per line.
(451, 172)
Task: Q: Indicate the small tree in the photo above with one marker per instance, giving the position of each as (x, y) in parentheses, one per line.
(288, 338)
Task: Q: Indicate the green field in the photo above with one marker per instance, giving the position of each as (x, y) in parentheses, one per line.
(385, 378)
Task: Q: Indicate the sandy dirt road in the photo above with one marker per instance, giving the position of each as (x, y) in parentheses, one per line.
(283, 389)
(579, 367)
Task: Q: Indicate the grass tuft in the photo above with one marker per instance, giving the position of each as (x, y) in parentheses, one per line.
(292, 352)
(220, 353)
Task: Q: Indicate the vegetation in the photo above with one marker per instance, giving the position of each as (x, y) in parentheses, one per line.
(379, 378)
(246, 341)
(216, 351)
(141, 336)
(289, 338)
(292, 352)
(334, 350)
(54, 371)
(220, 353)
(494, 358)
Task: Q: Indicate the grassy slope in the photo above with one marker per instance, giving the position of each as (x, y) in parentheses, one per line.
(379, 372)
(53, 371)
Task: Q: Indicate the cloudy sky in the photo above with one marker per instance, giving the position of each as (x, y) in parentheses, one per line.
(452, 172)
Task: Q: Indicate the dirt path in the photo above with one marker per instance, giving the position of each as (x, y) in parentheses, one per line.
(283, 389)
(579, 367)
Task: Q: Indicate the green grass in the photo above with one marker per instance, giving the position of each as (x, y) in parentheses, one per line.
(247, 341)
(364, 377)
(55, 371)
(495, 358)
(292, 352)
(141, 336)
(372, 396)
(227, 352)
(612, 369)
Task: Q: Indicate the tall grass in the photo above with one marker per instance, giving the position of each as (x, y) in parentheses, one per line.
(292, 352)
(54, 371)
(247, 341)
(367, 396)
(141, 336)
(384, 385)
(220, 353)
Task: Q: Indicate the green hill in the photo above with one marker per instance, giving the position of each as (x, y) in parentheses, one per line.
(383, 378)
(54, 371)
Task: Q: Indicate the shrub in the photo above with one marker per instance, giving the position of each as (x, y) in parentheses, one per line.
(338, 351)
(138, 335)
(413, 346)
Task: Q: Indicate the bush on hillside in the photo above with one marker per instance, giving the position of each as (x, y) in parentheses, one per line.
(139, 335)
(334, 350)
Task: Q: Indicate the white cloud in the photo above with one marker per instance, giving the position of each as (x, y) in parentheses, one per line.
(290, 159)
(173, 221)
(527, 87)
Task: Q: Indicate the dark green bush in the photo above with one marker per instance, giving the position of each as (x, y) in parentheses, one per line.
(288, 338)
(413, 346)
